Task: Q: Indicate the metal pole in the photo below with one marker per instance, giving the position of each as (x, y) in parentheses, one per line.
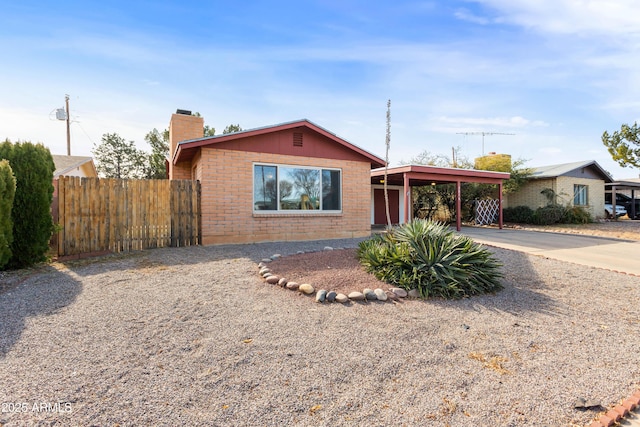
(66, 100)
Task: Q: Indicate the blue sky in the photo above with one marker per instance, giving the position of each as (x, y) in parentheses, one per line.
(556, 73)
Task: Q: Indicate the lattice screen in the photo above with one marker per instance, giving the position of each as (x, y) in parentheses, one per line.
(487, 211)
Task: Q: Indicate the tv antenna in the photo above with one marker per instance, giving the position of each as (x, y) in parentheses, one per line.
(483, 134)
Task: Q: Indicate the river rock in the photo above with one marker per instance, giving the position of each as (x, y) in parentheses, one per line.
(399, 292)
(356, 296)
(276, 256)
(282, 282)
(380, 294)
(342, 298)
(328, 248)
(306, 289)
(331, 296)
(273, 280)
(392, 296)
(264, 270)
(369, 294)
(266, 260)
(293, 286)
(321, 295)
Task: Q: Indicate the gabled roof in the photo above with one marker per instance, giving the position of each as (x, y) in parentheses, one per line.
(186, 149)
(554, 171)
(64, 164)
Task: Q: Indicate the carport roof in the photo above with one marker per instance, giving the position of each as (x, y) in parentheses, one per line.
(419, 175)
(632, 184)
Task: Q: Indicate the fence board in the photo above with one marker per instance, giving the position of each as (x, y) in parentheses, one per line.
(98, 215)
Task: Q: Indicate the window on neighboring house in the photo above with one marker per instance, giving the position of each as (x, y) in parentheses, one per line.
(293, 188)
(580, 195)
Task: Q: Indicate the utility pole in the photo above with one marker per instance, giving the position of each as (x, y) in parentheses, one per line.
(66, 101)
(483, 134)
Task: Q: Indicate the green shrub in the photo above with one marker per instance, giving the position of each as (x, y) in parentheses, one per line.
(7, 194)
(576, 215)
(518, 214)
(33, 168)
(547, 215)
(432, 258)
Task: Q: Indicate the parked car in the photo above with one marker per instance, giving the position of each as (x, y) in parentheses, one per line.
(608, 210)
(625, 201)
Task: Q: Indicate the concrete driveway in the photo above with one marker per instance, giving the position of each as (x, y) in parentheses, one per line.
(601, 252)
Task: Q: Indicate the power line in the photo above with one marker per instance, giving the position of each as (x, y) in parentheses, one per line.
(483, 134)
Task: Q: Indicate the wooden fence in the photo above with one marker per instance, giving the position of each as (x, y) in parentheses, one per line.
(119, 215)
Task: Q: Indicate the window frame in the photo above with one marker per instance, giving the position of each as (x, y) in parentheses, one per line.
(578, 189)
(278, 210)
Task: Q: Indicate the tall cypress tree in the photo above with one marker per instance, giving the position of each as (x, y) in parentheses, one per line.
(7, 194)
(33, 169)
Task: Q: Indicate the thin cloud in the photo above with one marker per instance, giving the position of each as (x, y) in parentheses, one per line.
(468, 16)
(483, 122)
(570, 16)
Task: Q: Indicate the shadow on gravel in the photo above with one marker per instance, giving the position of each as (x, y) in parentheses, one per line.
(522, 292)
(197, 254)
(523, 288)
(42, 293)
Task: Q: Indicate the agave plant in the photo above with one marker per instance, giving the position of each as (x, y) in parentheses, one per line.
(432, 258)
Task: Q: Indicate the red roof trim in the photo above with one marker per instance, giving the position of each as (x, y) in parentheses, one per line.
(183, 146)
(446, 173)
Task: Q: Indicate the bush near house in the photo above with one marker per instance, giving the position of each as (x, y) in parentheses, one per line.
(7, 193)
(518, 214)
(431, 258)
(33, 168)
(547, 215)
(576, 215)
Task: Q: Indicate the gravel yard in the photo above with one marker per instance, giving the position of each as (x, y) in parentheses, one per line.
(193, 336)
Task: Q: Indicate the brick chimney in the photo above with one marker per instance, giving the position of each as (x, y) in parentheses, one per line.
(182, 127)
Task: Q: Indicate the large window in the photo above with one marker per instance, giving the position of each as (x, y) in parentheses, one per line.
(580, 195)
(292, 188)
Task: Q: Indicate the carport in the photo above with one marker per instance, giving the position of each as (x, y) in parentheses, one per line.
(409, 176)
(632, 186)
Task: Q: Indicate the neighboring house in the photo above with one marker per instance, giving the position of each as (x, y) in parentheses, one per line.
(576, 184)
(627, 192)
(74, 166)
(292, 181)
(80, 166)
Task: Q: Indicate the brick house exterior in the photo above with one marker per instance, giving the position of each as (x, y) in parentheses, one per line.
(579, 183)
(232, 169)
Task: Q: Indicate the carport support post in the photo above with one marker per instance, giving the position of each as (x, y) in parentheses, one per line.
(614, 211)
(458, 206)
(405, 182)
(500, 218)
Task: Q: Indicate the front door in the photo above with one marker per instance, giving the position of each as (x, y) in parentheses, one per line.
(379, 211)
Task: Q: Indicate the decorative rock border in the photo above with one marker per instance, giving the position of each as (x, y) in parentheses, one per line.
(619, 412)
(324, 295)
